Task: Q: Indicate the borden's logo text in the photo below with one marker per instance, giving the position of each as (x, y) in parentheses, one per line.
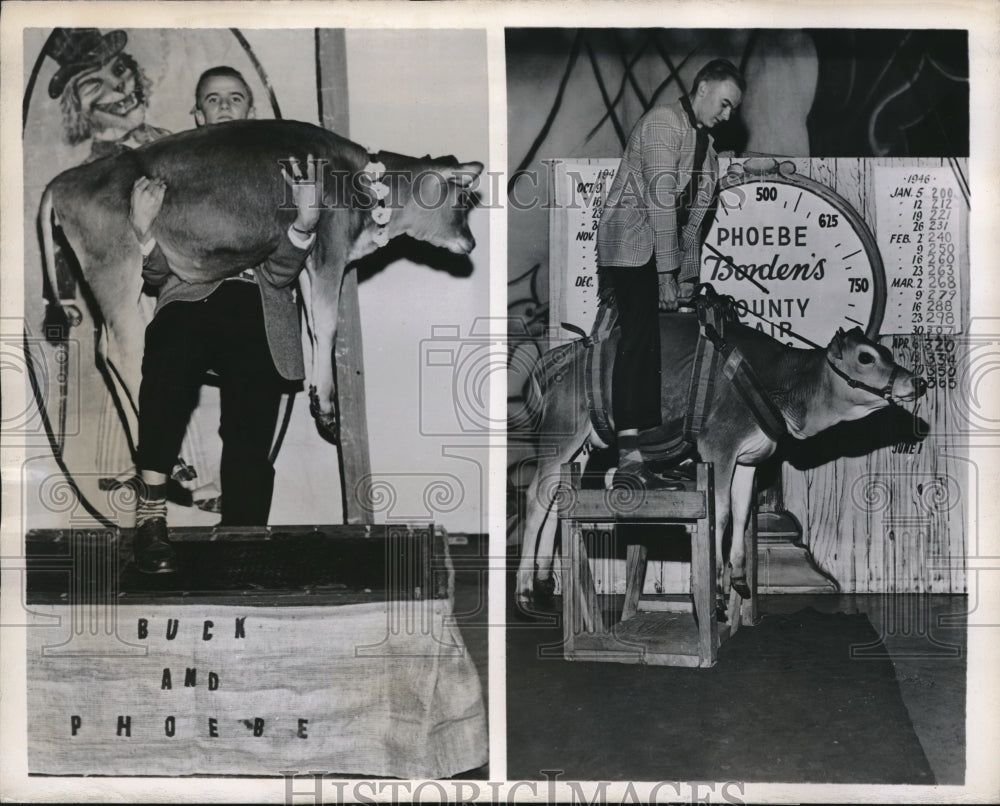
(723, 267)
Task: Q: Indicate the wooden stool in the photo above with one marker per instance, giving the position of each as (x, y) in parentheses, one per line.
(659, 632)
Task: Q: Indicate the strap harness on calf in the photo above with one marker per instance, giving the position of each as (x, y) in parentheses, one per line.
(713, 311)
(712, 353)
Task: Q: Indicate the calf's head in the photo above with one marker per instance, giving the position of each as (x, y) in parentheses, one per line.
(871, 377)
(434, 201)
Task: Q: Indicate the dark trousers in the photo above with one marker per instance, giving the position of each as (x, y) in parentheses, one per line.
(223, 332)
(635, 382)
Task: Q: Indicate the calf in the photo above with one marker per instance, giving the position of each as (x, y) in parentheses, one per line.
(813, 389)
(226, 208)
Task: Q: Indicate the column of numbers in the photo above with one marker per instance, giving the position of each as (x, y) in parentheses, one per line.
(940, 304)
(942, 289)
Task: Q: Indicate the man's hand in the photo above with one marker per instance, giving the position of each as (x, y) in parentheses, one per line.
(147, 198)
(304, 194)
(685, 292)
(668, 291)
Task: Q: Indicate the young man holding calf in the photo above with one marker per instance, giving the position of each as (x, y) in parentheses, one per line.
(245, 328)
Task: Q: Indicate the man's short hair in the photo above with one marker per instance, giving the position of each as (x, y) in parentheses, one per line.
(221, 70)
(719, 70)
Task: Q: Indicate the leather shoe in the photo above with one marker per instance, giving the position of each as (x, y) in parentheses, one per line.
(681, 472)
(151, 550)
(637, 475)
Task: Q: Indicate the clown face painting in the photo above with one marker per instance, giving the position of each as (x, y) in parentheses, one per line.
(101, 89)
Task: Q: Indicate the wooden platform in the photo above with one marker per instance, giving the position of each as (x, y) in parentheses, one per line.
(669, 631)
(296, 565)
(657, 639)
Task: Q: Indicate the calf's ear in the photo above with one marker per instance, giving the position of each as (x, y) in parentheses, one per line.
(836, 348)
(464, 174)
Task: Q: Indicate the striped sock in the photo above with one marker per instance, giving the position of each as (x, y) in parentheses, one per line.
(152, 503)
(633, 457)
(628, 449)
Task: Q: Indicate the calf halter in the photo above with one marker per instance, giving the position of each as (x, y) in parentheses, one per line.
(884, 392)
(373, 173)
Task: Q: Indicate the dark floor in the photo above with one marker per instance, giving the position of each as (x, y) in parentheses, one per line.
(923, 635)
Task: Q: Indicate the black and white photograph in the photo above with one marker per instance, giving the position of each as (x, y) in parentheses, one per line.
(499, 401)
(738, 267)
(250, 263)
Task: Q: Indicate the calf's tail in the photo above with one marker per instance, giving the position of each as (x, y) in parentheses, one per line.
(56, 323)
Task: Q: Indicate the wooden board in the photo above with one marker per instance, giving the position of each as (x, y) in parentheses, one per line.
(658, 639)
(355, 460)
(631, 635)
(578, 188)
(651, 505)
(320, 565)
(895, 520)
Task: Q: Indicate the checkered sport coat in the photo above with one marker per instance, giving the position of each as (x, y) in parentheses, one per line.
(639, 220)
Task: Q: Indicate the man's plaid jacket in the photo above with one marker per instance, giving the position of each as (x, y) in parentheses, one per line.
(640, 214)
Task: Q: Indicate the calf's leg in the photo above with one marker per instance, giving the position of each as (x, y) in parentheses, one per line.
(562, 430)
(538, 546)
(326, 275)
(121, 350)
(741, 496)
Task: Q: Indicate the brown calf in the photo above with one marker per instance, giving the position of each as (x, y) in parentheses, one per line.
(226, 208)
(814, 390)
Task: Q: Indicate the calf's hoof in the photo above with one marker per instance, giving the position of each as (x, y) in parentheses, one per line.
(212, 504)
(327, 423)
(544, 593)
(183, 471)
(537, 603)
(741, 587)
(720, 608)
(525, 609)
(329, 429)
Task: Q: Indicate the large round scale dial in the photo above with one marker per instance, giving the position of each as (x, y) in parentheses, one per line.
(796, 256)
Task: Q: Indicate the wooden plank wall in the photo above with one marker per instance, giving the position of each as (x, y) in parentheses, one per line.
(892, 521)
